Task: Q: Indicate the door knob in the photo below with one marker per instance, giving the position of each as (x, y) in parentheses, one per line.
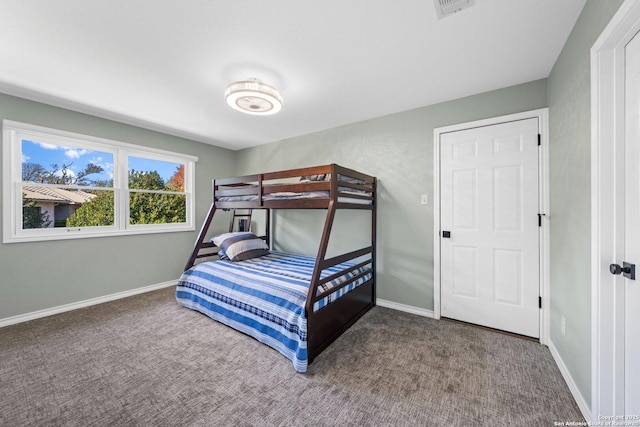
(628, 270)
(616, 269)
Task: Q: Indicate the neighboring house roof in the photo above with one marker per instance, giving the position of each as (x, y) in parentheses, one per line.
(53, 194)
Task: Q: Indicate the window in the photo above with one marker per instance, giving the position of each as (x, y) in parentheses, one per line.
(60, 185)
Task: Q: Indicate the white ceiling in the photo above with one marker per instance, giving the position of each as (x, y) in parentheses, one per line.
(165, 64)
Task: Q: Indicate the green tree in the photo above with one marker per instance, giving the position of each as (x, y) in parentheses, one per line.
(145, 180)
(154, 208)
(96, 212)
(31, 216)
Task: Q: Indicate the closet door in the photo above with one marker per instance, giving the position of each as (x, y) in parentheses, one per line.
(628, 289)
(489, 240)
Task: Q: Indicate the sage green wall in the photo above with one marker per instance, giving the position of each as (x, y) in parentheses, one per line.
(41, 275)
(569, 95)
(398, 149)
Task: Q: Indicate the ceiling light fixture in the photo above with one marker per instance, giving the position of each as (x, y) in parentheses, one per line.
(445, 8)
(253, 97)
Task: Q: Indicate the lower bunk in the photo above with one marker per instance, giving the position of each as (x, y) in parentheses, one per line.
(264, 297)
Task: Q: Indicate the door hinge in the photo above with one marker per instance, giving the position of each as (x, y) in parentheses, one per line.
(539, 302)
(539, 139)
(540, 215)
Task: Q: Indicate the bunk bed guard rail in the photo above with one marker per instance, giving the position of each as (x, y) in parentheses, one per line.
(312, 188)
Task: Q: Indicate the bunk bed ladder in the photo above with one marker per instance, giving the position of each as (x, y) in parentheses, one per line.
(200, 242)
(244, 216)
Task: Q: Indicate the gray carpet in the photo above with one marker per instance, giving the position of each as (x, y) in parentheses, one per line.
(145, 361)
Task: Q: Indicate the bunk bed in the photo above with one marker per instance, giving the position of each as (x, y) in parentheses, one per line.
(296, 304)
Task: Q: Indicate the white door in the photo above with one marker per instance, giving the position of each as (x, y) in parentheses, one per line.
(632, 232)
(489, 241)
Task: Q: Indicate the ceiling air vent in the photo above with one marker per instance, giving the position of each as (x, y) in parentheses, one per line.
(445, 8)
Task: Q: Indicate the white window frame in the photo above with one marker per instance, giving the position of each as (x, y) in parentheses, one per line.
(14, 132)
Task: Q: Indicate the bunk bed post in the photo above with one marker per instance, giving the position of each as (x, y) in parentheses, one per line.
(233, 221)
(267, 227)
(374, 208)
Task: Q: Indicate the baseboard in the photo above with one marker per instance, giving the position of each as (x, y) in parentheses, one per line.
(577, 396)
(81, 304)
(99, 300)
(403, 307)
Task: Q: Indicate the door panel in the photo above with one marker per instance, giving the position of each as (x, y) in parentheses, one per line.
(464, 199)
(508, 284)
(464, 281)
(489, 202)
(507, 190)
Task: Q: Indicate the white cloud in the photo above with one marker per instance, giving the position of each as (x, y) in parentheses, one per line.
(47, 146)
(75, 154)
(106, 166)
(25, 159)
(70, 173)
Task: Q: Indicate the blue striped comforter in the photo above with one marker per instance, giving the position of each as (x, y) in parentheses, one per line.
(263, 297)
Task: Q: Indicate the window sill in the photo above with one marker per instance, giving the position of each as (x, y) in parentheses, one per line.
(72, 233)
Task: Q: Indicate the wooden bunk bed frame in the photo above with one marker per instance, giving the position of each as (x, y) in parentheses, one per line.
(329, 322)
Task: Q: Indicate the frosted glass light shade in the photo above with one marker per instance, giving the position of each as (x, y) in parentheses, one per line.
(253, 97)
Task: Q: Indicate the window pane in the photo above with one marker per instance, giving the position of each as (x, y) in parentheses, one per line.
(50, 207)
(72, 186)
(46, 163)
(154, 208)
(148, 174)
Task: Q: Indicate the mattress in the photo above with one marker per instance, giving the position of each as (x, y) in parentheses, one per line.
(263, 297)
(283, 195)
(290, 195)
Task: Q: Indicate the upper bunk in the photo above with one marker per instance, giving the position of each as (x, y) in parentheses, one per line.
(317, 187)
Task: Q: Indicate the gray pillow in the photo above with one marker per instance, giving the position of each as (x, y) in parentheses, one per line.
(240, 246)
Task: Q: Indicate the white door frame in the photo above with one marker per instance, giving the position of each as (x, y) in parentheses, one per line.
(543, 128)
(607, 189)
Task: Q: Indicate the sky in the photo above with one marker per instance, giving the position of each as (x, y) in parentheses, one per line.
(48, 154)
